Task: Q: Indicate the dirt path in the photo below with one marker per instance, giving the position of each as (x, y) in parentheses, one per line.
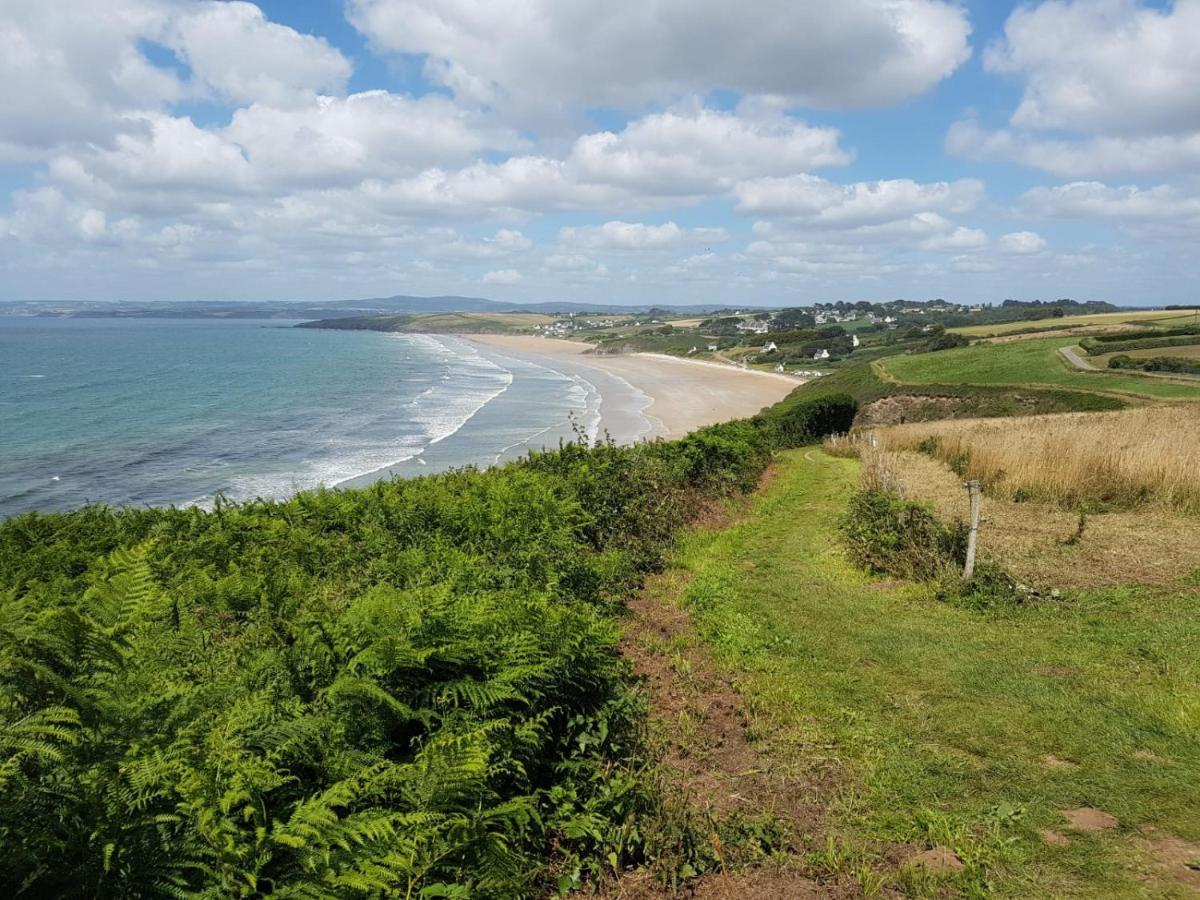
(715, 766)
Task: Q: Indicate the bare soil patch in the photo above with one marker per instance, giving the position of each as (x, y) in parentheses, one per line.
(936, 861)
(1087, 819)
(1054, 838)
(1053, 762)
(1173, 857)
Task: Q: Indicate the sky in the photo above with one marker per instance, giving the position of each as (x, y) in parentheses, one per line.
(767, 152)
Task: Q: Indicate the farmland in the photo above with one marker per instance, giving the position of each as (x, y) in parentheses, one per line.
(1030, 362)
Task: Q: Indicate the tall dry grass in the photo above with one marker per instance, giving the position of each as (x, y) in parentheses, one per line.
(1124, 459)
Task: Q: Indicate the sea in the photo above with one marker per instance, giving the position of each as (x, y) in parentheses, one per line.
(133, 412)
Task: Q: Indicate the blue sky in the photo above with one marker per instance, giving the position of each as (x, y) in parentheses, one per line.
(648, 151)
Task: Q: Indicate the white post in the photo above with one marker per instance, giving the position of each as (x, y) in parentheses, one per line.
(973, 487)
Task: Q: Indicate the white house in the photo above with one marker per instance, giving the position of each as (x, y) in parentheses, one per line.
(712, 348)
(854, 340)
(769, 347)
(821, 354)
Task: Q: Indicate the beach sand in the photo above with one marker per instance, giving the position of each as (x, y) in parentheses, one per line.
(685, 394)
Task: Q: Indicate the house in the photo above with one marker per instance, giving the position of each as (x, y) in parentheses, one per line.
(779, 368)
(693, 350)
(769, 347)
(821, 354)
(854, 340)
(712, 348)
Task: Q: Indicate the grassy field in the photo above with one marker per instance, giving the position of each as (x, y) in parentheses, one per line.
(1126, 459)
(1140, 317)
(955, 728)
(1022, 363)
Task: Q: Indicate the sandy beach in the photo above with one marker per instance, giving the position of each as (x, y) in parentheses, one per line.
(684, 394)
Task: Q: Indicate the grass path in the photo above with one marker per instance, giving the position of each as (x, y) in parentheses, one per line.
(957, 728)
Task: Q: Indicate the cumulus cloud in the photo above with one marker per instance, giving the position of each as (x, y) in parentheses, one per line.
(501, 276)
(1117, 77)
(1092, 200)
(563, 54)
(1116, 67)
(236, 52)
(1021, 243)
(703, 150)
(70, 68)
(637, 236)
(814, 200)
(1078, 156)
(372, 134)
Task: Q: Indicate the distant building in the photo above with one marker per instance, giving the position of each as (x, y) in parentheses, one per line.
(769, 347)
(821, 354)
(854, 340)
(712, 348)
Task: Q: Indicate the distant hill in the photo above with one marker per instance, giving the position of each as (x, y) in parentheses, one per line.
(400, 304)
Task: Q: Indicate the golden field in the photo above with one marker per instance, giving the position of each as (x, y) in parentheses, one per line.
(1126, 459)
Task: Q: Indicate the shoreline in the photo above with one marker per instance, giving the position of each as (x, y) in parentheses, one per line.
(684, 394)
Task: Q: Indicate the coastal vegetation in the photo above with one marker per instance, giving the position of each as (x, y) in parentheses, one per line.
(410, 689)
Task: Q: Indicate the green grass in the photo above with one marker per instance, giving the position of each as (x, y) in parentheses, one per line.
(1033, 362)
(863, 383)
(942, 716)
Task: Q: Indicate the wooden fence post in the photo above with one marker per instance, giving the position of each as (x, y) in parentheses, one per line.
(974, 488)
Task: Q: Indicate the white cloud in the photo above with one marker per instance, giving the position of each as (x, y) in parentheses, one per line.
(233, 49)
(1116, 67)
(703, 150)
(1113, 81)
(501, 276)
(69, 68)
(1021, 243)
(1091, 200)
(813, 200)
(331, 140)
(956, 241)
(564, 54)
(636, 236)
(1075, 157)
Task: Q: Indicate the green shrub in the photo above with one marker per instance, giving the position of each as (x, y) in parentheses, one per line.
(888, 535)
(1179, 364)
(799, 420)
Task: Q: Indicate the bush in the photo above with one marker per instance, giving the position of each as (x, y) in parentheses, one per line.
(888, 535)
(1180, 364)
(797, 421)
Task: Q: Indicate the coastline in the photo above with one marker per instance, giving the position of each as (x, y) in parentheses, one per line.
(683, 394)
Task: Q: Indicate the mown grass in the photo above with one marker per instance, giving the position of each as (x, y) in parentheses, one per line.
(1033, 362)
(944, 717)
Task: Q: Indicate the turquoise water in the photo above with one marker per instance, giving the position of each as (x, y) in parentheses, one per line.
(146, 411)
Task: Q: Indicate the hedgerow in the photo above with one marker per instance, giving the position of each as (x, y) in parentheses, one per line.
(410, 689)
